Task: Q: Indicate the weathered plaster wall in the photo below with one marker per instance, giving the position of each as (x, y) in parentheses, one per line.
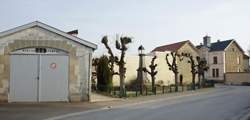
(220, 65)
(184, 66)
(233, 53)
(164, 75)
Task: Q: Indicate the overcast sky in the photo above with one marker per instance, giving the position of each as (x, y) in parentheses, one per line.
(150, 22)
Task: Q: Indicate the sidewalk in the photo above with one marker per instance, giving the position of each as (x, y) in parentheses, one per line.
(36, 111)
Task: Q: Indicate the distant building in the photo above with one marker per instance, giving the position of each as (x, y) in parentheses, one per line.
(222, 57)
(164, 75)
(183, 66)
(246, 63)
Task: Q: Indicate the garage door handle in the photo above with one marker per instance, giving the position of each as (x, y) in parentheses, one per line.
(37, 78)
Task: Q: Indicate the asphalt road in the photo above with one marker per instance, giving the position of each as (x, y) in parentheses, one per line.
(226, 103)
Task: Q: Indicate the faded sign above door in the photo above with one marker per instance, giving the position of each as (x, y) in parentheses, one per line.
(39, 50)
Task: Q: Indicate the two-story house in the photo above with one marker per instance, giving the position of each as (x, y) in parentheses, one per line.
(222, 57)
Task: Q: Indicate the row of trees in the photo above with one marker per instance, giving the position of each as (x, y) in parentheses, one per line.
(198, 66)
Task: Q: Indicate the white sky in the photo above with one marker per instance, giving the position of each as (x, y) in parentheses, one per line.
(150, 22)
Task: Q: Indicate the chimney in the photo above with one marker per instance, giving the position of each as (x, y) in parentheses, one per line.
(207, 41)
(73, 32)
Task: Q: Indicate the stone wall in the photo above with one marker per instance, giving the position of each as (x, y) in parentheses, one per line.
(237, 77)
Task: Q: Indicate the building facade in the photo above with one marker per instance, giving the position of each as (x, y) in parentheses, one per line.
(39, 63)
(163, 77)
(222, 57)
(184, 68)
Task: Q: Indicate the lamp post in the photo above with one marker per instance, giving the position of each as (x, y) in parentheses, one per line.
(140, 73)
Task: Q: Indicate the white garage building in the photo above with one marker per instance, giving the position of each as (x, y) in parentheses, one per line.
(39, 63)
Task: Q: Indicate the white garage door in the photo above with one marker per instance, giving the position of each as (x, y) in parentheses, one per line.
(38, 78)
(23, 78)
(54, 78)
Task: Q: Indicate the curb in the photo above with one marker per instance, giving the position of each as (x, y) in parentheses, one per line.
(125, 105)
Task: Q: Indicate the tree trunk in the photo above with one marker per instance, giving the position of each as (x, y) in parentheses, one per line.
(193, 81)
(122, 82)
(199, 81)
(203, 80)
(112, 86)
(153, 84)
(176, 82)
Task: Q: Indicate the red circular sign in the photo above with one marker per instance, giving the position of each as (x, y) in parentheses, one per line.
(53, 65)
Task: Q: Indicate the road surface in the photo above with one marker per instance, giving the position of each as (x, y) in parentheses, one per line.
(226, 103)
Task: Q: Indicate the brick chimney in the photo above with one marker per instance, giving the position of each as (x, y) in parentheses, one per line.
(207, 41)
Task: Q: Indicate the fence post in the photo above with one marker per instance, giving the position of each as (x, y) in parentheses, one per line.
(170, 89)
(154, 90)
(162, 89)
(114, 92)
(136, 91)
(125, 92)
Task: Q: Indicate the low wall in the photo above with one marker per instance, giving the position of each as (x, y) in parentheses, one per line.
(237, 77)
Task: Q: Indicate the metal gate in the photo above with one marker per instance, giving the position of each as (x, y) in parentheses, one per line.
(38, 77)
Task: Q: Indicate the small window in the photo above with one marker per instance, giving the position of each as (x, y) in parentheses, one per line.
(215, 59)
(217, 72)
(213, 72)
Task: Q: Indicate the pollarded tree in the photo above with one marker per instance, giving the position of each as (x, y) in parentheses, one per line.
(122, 47)
(112, 57)
(194, 69)
(173, 66)
(152, 73)
(202, 68)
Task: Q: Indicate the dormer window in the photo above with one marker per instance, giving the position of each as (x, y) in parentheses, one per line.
(215, 60)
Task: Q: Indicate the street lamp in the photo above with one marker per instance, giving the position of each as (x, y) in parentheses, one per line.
(140, 73)
(141, 50)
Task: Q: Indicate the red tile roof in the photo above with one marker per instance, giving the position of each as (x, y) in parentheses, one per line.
(171, 47)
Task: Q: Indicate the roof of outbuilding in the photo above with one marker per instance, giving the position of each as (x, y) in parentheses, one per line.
(246, 56)
(49, 28)
(170, 47)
